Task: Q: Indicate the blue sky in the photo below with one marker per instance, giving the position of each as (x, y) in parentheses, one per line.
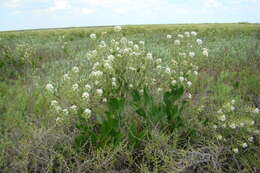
(33, 14)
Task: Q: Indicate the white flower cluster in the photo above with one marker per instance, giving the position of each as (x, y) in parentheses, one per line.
(228, 118)
(121, 62)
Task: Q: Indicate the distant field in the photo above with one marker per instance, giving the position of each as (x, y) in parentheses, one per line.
(145, 98)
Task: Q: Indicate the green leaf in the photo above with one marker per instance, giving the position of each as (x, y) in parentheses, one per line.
(136, 96)
(141, 112)
(148, 100)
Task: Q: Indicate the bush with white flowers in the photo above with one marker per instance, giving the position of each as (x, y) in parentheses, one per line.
(121, 73)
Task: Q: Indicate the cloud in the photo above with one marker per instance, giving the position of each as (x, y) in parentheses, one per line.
(59, 5)
(12, 3)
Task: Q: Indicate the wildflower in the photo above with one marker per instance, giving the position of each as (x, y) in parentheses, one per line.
(132, 68)
(167, 70)
(233, 101)
(85, 95)
(189, 83)
(177, 42)
(123, 40)
(96, 73)
(219, 137)
(232, 108)
(49, 87)
(111, 57)
(99, 92)
(189, 95)
(75, 87)
(199, 41)
(66, 77)
(244, 145)
(58, 119)
(252, 122)
(131, 86)
(181, 78)
(187, 34)
(141, 42)
(149, 56)
(251, 138)
(87, 87)
(169, 36)
(256, 131)
(75, 69)
(93, 36)
(180, 35)
(242, 124)
(235, 150)
(104, 100)
(159, 67)
(87, 113)
(220, 111)
(54, 103)
(114, 84)
(215, 126)
(193, 33)
(94, 52)
(232, 125)
(136, 47)
(65, 111)
(117, 28)
(191, 54)
(141, 91)
(158, 61)
(173, 82)
(256, 111)
(195, 73)
(205, 53)
(108, 66)
(130, 43)
(57, 108)
(96, 82)
(222, 118)
(73, 107)
(102, 44)
(159, 89)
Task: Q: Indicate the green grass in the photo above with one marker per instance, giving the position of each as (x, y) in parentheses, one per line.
(31, 140)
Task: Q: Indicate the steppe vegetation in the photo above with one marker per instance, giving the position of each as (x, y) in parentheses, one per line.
(149, 98)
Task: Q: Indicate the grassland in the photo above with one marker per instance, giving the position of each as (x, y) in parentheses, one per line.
(32, 139)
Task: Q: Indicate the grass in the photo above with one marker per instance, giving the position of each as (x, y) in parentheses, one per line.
(131, 132)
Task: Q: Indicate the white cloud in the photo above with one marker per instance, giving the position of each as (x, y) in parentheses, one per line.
(12, 3)
(60, 5)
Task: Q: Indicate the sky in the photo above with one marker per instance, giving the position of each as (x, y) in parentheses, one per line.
(35, 14)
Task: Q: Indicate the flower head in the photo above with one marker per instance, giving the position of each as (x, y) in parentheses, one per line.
(85, 95)
(99, 92)
(93, 36)
(199, 41)
(66, 77)
(177, 42)
(244, 145)
(75, 69)
(193, 33)
(117, 28)
(49, 87)
(235, 150)
(75, 87)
